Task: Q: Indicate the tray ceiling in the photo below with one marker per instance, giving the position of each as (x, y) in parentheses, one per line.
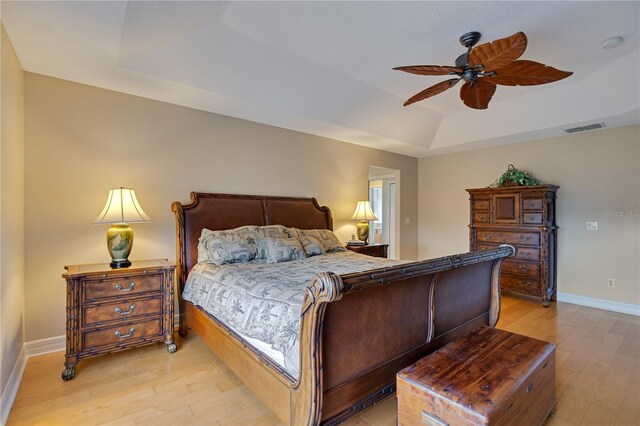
(325, 67)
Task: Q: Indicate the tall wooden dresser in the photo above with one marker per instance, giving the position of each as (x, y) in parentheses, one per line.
(523, 216)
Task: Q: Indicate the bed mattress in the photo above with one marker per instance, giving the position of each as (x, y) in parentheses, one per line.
(261, 301)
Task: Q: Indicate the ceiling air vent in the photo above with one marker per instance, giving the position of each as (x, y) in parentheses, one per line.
(583, 128)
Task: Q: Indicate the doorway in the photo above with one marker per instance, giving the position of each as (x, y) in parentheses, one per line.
(384, 196)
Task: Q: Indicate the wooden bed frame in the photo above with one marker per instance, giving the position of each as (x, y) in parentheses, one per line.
(357, 330)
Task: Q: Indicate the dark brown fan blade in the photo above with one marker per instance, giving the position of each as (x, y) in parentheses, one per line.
(429, 69)
(432, 91)
(499, 53)
(527, 73)
(477, 95)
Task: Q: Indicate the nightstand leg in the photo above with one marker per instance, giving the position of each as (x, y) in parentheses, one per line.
(171, 346)
(69, 372)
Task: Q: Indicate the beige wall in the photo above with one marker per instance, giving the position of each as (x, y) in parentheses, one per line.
(81, 141)
(12, 269)
(597, 172)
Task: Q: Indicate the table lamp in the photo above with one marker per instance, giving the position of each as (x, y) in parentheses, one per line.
(122, 208)
(363, 214)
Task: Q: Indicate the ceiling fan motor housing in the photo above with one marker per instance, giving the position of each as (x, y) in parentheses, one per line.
(469, 39)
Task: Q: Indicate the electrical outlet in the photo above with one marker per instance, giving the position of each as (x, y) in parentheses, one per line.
(592, 226)
(407, 220)
(611, 283)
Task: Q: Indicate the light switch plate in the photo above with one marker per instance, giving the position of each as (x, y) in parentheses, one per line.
(592, 226)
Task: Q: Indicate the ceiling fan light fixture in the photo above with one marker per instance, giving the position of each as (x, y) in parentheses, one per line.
(611, 42)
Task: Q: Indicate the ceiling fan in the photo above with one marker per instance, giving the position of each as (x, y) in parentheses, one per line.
(485, 66)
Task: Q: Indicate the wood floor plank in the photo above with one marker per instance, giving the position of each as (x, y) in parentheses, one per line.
(598, 378)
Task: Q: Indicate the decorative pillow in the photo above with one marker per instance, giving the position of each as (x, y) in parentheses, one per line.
(272, 231)
(224, 250)
(228, 246)
(282, 249)
(327, 238)
(202, 249)
(311, 246)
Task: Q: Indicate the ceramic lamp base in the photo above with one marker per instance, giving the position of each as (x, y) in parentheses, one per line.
(119, 243)
(362, 228)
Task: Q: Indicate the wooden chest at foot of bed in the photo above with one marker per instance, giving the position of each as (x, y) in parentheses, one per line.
(490, 377)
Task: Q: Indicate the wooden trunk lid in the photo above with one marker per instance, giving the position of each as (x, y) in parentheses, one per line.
(488, 377)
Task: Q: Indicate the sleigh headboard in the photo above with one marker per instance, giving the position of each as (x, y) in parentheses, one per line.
(228, 211)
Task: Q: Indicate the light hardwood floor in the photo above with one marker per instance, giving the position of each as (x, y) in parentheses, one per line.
(598, 378)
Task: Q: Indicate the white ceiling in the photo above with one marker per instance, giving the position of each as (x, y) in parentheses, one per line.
(325, 67)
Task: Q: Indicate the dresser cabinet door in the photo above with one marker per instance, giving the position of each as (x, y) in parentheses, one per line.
(506, 208)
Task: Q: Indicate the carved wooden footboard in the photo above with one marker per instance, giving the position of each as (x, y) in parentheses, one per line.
(357, 330)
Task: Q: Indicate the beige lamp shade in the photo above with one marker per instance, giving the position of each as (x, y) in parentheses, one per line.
(122, 207)
(364, 212)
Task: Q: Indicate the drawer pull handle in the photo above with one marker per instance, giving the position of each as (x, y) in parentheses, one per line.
(131, 286)
(523, 268)
(121, 312)
(530, 387)
(123, 336)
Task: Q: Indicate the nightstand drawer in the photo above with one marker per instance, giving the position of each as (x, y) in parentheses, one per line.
(122, 310)
(122, 333)
(122, 287)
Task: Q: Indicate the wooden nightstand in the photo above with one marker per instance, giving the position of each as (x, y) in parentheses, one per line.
(375, 250)
(110, 310)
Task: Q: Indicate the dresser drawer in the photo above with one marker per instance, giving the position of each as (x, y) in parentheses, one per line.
(522, 285)
(122, 287)
(481, 217)
(532, 204)
(374, 250)
(506, 237)
(523, 253)
(521, 268)
(122, 333)
(122, 310)
(481, 204)
(531, 218)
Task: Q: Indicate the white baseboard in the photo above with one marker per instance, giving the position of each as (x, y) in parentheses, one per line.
(607, 305)
(11, 389)
(45, 346)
